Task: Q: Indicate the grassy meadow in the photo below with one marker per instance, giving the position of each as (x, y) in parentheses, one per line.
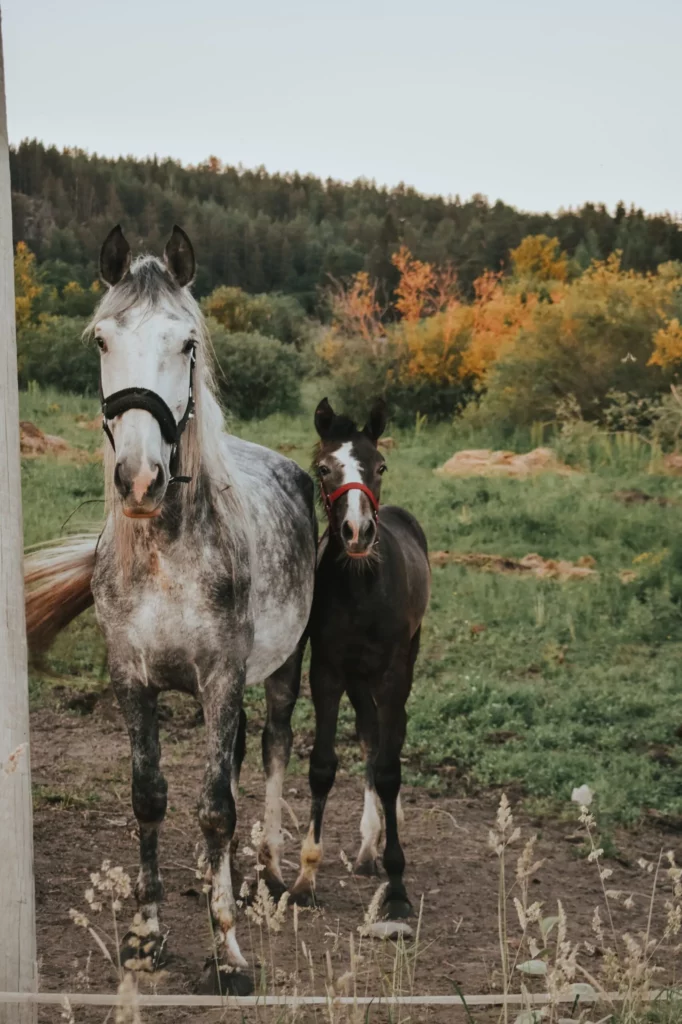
(533, 684)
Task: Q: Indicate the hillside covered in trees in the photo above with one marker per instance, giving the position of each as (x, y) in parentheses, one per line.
(288, 232)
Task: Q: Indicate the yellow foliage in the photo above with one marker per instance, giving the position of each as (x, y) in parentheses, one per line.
(667, 345)
(26, 286)
(432, 348)
(594, 329)
(541, 258)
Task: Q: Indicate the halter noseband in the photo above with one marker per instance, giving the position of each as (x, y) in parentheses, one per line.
(143, 398)
(329, 499)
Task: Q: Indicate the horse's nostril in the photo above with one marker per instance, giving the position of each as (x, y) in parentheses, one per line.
(118, 479)
(368, 531)
(347, 530)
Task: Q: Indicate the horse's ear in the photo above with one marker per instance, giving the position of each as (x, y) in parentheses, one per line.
(324, 417)
(114, 257)
(376, 424)
(179, 257)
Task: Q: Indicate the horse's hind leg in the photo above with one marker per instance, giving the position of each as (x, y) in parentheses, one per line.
(218, 819)
(392, 723)
(370, 826)
(237, 761)
(144, 942)
(326, 687)
(395, 690)
(281, 694)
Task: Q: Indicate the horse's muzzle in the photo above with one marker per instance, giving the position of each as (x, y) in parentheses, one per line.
(358, 538)
(142, 489)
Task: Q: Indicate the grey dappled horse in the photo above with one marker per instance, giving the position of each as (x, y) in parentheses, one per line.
(202, 578)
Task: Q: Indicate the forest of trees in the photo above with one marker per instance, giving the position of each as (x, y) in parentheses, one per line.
(288, 232)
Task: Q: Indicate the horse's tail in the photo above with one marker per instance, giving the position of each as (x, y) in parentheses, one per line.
(57, 581)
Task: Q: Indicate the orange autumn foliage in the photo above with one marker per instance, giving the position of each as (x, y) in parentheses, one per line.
(422, 289)
(355, 309)
(523, 338)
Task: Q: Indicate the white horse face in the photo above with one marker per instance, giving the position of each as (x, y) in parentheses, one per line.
(152, 348)
(152, 351)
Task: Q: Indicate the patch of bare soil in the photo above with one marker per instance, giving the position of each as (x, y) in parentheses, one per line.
(85, 423)
(33, 442)
(672, 463)
(529, 565)
(81, 775)
(635, 497)
(485, 462)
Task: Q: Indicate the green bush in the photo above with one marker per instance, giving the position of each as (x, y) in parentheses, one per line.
(357, 383)
(596, 342)
(277, 316)
(415, 367)
(257, 375)
(54, 353)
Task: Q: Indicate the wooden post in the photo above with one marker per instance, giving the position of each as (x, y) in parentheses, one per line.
(17, 902)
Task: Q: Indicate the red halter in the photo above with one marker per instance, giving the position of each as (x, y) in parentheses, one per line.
(329, 499)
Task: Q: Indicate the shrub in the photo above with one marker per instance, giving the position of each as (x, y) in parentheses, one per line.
(416, 367)
(53, 352)
(597, 339)
(278, 316)
(257, 375)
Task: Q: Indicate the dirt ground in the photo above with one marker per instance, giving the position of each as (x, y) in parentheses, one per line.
(81, 771)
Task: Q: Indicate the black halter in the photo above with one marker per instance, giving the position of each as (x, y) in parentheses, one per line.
(143, 398)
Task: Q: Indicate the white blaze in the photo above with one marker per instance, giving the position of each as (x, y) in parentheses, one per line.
(352, 474)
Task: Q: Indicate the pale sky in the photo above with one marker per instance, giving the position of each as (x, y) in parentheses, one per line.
(541, 104)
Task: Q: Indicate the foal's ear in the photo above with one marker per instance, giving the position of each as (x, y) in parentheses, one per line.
(114, 257)
(179, 257)
(324, 417)
(376, 424)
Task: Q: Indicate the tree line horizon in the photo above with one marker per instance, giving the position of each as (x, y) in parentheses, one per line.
(293, 233)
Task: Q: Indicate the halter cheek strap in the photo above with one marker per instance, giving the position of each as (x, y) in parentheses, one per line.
(142, 398)
(329, 499)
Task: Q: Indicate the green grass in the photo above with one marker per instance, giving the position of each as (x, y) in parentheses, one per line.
(565, 684)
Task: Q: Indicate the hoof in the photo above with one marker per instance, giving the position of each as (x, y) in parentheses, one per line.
(143, 953)
(305, 898)
(220, 980)
(276, 887)
(396, 909)
(389, 930)
(366, 869)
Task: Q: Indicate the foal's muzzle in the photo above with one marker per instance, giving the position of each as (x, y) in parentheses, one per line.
(358, 538)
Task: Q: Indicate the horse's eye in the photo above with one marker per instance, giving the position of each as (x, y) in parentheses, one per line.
(323, 470)
(189, 346)
(101, 344)
(383, 468)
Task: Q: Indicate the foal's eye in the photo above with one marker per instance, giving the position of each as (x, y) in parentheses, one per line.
(323, 470)
(383, 468)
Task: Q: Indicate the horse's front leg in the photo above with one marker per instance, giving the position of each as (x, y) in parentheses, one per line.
(281, 694)
(143, 945)
(222, 700)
